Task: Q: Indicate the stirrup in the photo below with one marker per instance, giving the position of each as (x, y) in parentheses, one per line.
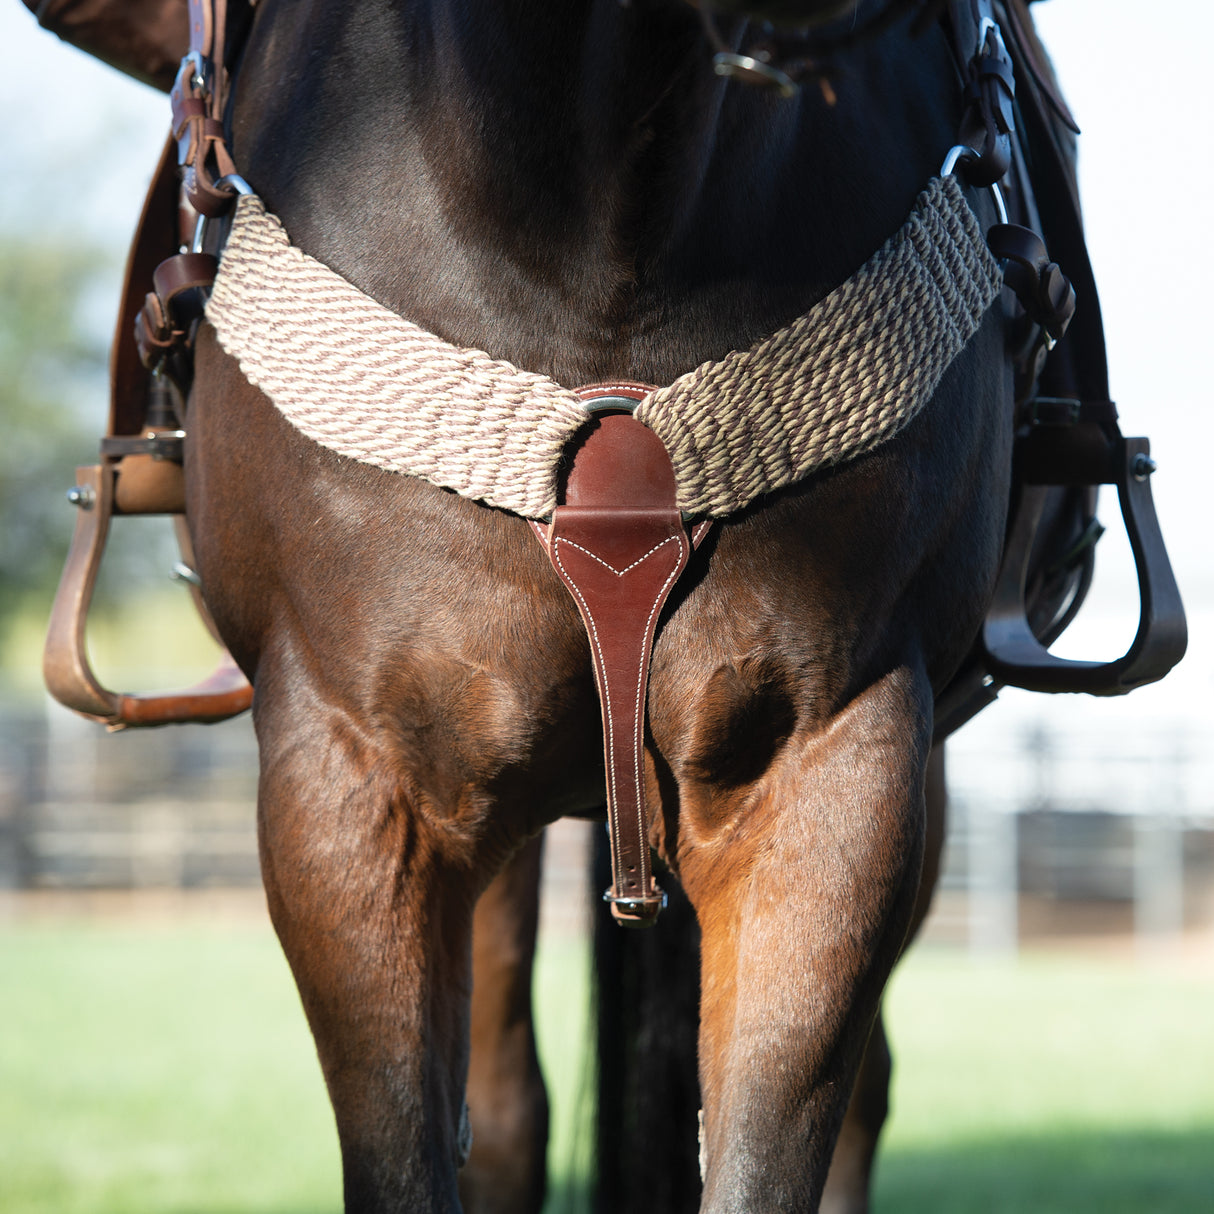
(1013, 654)
(140, 473)
(152, 486)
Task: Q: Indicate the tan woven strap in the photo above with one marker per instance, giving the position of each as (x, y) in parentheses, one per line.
(356, 377)
(844, 377)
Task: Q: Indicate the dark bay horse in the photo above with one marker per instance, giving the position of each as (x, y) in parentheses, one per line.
(572, 188)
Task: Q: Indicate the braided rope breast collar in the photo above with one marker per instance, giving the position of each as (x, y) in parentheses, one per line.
(849, 374)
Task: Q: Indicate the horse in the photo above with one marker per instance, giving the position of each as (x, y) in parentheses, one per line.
(575, 190)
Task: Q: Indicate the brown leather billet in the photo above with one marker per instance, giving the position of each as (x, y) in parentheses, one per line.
(156, 237)
(1044, 291)
(619, 544)
(988, 118)
(166, 320)
(198, 96)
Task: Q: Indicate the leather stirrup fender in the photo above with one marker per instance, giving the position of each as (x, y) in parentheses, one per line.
(618, 543)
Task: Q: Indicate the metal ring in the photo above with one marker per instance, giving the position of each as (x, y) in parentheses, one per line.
(1000, 205)
(749, 70)
(236, 183)
(181, 572)
(200, 72)
(985, 26)
(956, 153)
(233, 182)
(609, 403)
(962, 152)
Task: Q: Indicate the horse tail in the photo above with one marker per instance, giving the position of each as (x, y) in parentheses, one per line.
(647, 1005)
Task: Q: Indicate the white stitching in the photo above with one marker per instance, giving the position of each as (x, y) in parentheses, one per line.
(604, 694)
(641, 686)
(607, 565)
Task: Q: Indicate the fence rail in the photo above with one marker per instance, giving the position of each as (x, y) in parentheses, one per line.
(1046, 835)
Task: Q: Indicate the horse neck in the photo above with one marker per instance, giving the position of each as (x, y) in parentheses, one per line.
(558, 183)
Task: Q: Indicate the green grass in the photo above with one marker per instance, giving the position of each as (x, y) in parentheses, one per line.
(145, 1070)
(1073, 1171)
(1053, 1085)
(562, 993)
(168, 1069)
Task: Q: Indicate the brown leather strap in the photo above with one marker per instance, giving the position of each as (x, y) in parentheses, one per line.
(198, 99)
(619, 544)
(989, 90)
(156, 238)
(167, 319)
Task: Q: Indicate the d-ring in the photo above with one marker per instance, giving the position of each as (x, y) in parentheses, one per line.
(959, 154)
(749, 70)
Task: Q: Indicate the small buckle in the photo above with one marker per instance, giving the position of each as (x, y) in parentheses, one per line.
(165, 444)
(988, 25)
(1054, 411)
(201, 73)
(636, 912)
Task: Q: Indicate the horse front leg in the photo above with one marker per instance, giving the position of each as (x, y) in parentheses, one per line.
(371, 891)
(804, 884)
(507, 1101)
(851, 1167)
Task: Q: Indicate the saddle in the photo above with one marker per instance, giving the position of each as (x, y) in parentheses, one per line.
(617, 539)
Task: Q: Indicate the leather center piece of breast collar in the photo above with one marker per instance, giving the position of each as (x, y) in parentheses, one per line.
(618, 542)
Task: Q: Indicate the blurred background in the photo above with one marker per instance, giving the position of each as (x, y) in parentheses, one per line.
(1050, 1029)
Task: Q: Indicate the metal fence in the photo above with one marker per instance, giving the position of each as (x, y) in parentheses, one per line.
(83, 809)
(1058, 829)
(1049, 834)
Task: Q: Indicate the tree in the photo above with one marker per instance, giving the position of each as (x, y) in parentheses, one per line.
(52, 407)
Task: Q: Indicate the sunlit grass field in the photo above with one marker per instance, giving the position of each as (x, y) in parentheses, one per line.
(165, 1067)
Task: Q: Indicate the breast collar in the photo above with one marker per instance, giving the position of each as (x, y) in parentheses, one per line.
(358, 378)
